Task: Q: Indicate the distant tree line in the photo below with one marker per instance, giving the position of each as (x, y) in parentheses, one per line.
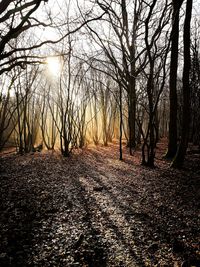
(129, 72)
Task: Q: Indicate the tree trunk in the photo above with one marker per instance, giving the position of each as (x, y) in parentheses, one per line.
(172, 143)
(132, 114)
(120, 123)
(150, 86)
(180, 156)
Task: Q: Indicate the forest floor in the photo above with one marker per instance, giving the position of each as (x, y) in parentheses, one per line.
(93, 210)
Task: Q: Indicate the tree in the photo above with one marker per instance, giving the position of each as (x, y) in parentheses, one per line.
(122, 50)
(16, 51)
(181, 152)
(48, 117)
(27, 113)
(195, 87)
(156, 70)
(172, 143)
(8, 107)
(15, 20)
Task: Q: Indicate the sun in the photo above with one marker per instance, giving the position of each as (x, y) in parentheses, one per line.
(54, 65)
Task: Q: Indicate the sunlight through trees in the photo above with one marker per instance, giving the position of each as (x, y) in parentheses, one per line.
(75, 73)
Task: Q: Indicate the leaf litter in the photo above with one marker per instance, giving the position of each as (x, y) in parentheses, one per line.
(93, 210)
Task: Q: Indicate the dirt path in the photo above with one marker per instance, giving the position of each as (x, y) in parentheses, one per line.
(93, 210)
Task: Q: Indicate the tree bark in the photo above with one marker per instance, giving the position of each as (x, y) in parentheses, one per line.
(172, 139)
(132, 115)
(180, 155)
(120, 123)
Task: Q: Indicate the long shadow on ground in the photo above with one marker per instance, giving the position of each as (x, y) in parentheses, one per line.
(92, 210)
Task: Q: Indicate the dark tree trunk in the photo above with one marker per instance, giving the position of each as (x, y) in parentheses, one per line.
(132, 115)
(150, 89)
(180, 156)
(120, 123)
(172, 144)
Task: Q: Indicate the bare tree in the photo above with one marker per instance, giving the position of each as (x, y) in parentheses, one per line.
(180, 155)
(157, 56)
(172, 144)
(123, 53)
(7, 109)
(27, 115)
(195, 87)
(16, 19)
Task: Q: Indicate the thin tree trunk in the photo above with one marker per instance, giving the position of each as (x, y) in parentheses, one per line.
(121, 123)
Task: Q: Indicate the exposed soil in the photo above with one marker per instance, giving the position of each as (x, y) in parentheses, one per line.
(93, 210)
